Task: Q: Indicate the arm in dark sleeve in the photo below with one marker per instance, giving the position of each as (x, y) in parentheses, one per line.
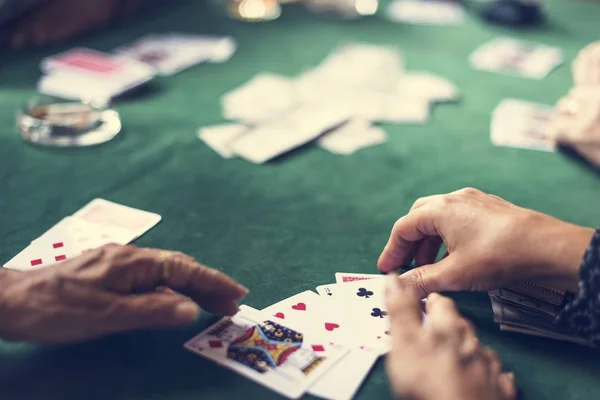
(581, 315)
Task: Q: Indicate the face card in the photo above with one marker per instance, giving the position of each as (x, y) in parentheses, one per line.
(108, 213)
(273, 354)
(344, 277)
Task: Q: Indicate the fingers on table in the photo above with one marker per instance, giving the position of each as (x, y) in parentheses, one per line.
(506, 381)
(154, 310)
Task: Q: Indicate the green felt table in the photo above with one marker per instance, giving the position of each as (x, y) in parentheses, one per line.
(287, 226)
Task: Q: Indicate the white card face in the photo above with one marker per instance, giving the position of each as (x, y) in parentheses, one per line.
(49, 250)
(345, 277)
(333, 326)
(522, 124)
(345, 378)
(426, 12)
(108, 213)
(354, 135)
(289, 131)
(270, 353)
(367, 309)
(260, 99)
(424, 85)
(220, 137)
(88, 235)
(516, 57)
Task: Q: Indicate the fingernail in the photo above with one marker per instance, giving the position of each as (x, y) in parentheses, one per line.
(244, 290)
(187, 312)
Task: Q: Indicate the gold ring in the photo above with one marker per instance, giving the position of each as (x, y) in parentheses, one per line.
(166, 259)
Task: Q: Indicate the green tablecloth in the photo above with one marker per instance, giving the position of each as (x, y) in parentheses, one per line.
(288, 226)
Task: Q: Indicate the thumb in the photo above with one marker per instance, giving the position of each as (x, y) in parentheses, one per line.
(154, 310)
(506, 381)
(433, 278)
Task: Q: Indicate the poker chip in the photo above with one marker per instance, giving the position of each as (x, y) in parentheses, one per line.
(514, 13)
(53, 122)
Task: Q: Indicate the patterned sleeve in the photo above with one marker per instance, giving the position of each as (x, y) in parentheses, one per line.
(11, 9)
(581, 315)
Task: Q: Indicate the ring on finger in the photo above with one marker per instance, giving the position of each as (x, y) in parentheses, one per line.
(166, 262)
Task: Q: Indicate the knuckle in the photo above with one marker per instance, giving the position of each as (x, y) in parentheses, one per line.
(469, 192)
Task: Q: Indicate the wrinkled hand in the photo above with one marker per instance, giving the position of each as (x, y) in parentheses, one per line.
(108, 290)
(491, 243)
(440, 359)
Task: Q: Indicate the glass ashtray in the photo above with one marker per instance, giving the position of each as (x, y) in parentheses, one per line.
(52, 122)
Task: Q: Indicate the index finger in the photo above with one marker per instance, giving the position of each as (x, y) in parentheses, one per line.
(404, 309)
(407, 232)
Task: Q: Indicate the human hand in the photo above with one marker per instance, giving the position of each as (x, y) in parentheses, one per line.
(108, 290)
(491, 243)
(440, 359)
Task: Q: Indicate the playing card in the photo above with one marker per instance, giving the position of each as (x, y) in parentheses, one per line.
(87, 74)
(431, 87)
(354, 135)
(173, 53)
(131, 219)
(88, 234)
(366, 302)
(274, 354)
(516, 57)
(51, 249)
(291, 130)
(426, 12)
(344, 277)
(219, 137)
(332, 326)
(522, 124)
(260, 99)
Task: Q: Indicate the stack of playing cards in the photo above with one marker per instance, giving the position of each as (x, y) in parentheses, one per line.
(419, 12)
(84, 74)
(522, 124)
(100, 222)
(531, 309)
(516, 57)
(324, 344)
(334, 105)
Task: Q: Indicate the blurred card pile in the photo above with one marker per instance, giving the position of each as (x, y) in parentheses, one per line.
(531, 309)
(90, 75)
(334, 105)
(431, 12)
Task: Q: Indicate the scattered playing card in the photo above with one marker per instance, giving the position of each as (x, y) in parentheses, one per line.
(429, 12)
(516, 57)
(260, 99)
(354, 135)
(89, 235)
(430, 87)
(291, 130)
(108, 213)
(272, 353)
(87, 74)
(522, 124)
(45, 252)
(173, 53)
(220, 137)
